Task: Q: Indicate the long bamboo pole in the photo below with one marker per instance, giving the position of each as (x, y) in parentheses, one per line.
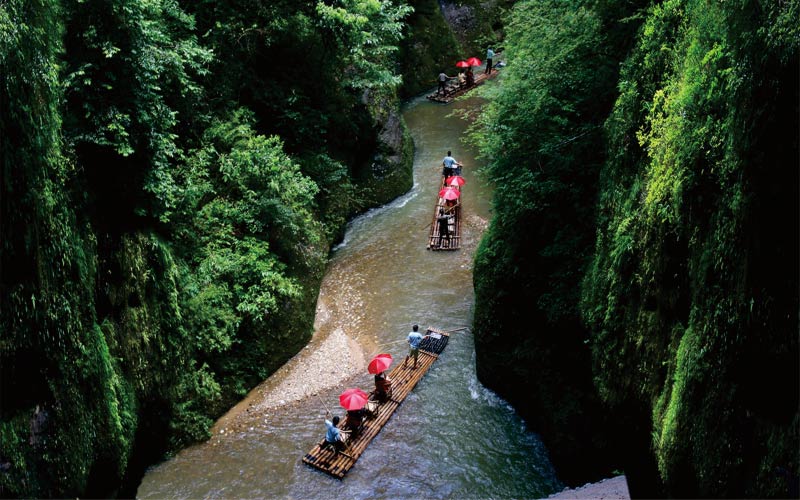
(323, 403)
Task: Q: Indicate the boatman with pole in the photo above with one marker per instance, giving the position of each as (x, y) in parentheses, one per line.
(442, 78)
(414, 339)
(333, 436)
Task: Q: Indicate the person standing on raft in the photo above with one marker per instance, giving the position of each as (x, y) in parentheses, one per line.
(414, 340)
(450, 166)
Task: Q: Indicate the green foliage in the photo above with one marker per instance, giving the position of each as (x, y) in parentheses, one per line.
(691, 296)
(247, 231)
(337, 193)
(367, 31)
(197, 391)
(45, 320)
(307, 71)
(541, 135)
(686, 289)
(131, 76)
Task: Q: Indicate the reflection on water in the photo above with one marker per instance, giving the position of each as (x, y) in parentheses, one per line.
(452, 437)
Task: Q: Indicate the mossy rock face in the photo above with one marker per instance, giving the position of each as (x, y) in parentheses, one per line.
(441, 33)
(428, 49)
(388, 173)
(687, 240)
(542, 369)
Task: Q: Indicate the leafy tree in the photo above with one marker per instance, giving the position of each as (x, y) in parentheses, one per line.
(131, 77)
(252, 245)
(317, 74)
(367, 31)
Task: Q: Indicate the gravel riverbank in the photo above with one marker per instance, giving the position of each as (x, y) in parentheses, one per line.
(331, 357)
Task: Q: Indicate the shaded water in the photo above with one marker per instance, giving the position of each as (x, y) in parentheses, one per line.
(451, 438)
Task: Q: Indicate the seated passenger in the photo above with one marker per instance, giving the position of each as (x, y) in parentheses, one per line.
(354, 419)
(383, 387)
(470, 77)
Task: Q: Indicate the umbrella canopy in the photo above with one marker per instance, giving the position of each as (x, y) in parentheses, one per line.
(449, 193)
(353, 399)
(462, 64)
(474, 61)
(455, 180)
(379, 363)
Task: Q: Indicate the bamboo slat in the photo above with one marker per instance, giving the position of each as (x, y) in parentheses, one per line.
(404, 379)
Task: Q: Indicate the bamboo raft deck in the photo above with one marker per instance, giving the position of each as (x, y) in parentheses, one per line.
(456, 90)
(404, 379)
(435, 241)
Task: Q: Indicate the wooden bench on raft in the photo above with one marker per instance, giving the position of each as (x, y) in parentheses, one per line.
(404, 379)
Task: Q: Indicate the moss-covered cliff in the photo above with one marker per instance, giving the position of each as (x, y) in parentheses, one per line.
(692, 295)
(637, 292)
(543, 135)
(166, 207)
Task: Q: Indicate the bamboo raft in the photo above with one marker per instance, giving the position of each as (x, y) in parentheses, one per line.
(404, 379)
(435, 241)
(457, 89)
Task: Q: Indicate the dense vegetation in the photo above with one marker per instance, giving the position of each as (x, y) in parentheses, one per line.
(648, 238)
(173, 174)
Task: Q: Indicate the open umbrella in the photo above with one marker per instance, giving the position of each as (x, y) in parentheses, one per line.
(462, 64)
(379, 363)
(474, 61)
(455, 180)
(353, 399)
(449, 193)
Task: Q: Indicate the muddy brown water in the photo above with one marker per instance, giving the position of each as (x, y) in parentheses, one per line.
(452, 437)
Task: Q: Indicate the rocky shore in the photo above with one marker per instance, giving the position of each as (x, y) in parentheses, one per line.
(609, 489)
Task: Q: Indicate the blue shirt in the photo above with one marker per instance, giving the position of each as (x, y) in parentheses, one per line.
(414, 338)
(489, 54)
(333, 432)
(448, 161)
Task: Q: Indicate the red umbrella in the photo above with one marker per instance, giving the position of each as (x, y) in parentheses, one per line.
(379, 363)
(449, 193)
(455, 180)
(474, 61)
(353, 399)
(462, 64)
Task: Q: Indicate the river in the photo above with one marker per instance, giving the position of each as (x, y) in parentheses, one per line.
(452, 437)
